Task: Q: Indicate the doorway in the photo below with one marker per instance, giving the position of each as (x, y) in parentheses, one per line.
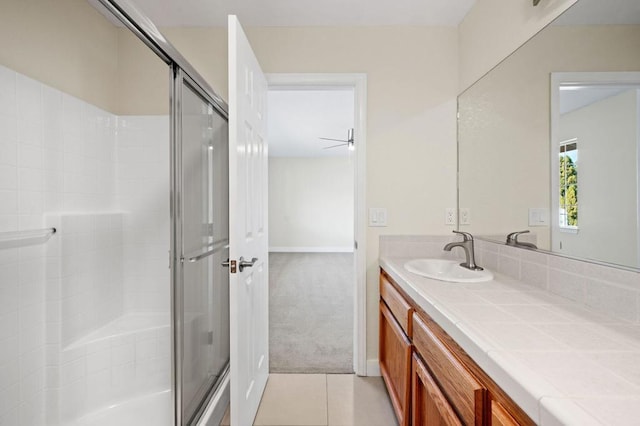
(316, 186)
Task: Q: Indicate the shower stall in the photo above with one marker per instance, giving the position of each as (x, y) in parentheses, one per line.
(114, 304)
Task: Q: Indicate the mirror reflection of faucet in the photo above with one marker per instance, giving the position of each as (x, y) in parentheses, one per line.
(512, 240)
(467, 246)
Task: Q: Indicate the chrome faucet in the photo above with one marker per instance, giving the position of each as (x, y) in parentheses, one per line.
(512, 240)
(467, 246)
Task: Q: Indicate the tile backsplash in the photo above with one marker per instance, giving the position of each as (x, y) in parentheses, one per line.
(605, 289)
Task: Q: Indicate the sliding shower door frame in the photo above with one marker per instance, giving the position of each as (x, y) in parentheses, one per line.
(136, 21)
(177, 272)
(181, 71)
(179, 80)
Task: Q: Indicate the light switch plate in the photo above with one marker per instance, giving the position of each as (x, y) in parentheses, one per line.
(539, 216)
(377, 216)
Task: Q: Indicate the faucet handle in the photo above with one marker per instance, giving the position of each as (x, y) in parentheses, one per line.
(465, 235)
(513, 237)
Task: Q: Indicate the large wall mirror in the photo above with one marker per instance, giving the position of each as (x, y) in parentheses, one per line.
(549, 139)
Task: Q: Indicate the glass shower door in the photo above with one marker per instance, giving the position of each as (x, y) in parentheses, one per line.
(204, 337)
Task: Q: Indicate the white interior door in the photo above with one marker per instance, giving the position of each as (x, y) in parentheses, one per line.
(248, 224)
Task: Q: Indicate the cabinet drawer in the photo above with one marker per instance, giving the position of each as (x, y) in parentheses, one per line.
(395, 363)
(500, 416)
(463, 391)
(429, 406)
(399, 307)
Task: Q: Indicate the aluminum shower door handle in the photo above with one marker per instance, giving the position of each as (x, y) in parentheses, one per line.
(246, 263)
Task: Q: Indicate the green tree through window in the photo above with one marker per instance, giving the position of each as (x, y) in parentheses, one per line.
(569, 184)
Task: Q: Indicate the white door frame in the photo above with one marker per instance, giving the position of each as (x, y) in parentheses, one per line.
(359, 83)
(579, 79)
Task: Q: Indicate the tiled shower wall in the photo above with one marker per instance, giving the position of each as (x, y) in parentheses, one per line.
(143, 192)
(63, 157)
(609, 290)
(57, 153)
(84, 274)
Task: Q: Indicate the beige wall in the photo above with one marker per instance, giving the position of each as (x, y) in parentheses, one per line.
(143, 78)
(493, 29)
(412, 86)
(504, 125)
(311, 203)
(65, 44)
(206, 49)
(68, 45)
(411, 150)
(411, 127)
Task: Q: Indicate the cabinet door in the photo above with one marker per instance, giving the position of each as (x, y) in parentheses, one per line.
(466, 394)
(395, 363)
(500, 416)
(428, 404)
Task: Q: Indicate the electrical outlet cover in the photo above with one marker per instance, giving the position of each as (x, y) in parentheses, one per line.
(450, 216)
(465, 216)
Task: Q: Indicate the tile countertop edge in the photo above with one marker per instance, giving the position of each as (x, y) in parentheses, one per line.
(517, 380)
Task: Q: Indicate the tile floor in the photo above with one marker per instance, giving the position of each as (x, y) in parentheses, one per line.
(324, 400)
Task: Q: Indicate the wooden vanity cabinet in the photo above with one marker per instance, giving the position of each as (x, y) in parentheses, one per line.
(395, 348)
(395, 363)
(398, 305)
(429, 406)
(464, 392)
(500, 416)
(430, 379)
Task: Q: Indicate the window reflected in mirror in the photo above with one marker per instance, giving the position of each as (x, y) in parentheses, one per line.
(568, 211)
(519, 136)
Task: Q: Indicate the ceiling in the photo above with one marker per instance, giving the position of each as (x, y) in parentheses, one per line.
(573, 98)
(601, 12)
(298, 118)
(292, 13)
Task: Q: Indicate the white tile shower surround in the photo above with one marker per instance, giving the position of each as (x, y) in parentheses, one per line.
(143, 191)
(84, 273)
(62, 156)
(98, 354)
(567, 354)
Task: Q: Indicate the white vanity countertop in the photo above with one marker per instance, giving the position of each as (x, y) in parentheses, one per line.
(563, 364)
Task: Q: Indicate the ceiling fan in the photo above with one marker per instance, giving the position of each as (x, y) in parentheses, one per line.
(348, 142)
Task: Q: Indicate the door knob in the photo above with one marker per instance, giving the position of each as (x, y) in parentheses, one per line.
(246, 263)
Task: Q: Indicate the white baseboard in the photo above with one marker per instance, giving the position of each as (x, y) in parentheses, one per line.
(373, 368)
(310, 249)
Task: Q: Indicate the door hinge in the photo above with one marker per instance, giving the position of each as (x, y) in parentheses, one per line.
(355, 245)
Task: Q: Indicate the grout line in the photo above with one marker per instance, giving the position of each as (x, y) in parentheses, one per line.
(326, 384)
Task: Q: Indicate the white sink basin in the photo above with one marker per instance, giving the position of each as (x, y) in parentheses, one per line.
(446, 270)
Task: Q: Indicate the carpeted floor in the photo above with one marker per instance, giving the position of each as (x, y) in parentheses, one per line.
(311, 312)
